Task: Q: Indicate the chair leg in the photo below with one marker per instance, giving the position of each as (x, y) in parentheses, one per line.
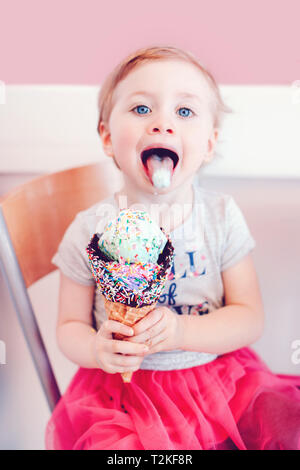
(26, 317)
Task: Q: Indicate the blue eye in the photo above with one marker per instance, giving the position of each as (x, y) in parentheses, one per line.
(141, 107)
(186, 109)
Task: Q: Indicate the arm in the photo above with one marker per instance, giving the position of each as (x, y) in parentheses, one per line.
(237, 324)
(74, 330)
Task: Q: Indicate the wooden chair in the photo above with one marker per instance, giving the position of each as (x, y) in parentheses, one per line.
(33, 219)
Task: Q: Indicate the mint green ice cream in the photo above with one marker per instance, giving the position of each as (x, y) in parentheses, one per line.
(133, 237)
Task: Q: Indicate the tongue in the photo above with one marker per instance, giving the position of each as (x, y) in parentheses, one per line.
(160, 170)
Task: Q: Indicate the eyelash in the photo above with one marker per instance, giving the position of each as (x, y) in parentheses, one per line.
(142, 105)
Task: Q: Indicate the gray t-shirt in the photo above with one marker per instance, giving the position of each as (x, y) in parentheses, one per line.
(213, 238)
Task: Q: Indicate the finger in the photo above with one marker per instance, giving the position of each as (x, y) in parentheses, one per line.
(112, 326)
(142, 338)
(126, 347)
(153, 341)
(153, 317)
(154, 330)
(156, 344)
(126, 361)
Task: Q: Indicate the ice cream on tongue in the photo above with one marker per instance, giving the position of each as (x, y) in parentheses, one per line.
(160, 170)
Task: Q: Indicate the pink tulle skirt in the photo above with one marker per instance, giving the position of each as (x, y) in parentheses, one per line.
(234, 402)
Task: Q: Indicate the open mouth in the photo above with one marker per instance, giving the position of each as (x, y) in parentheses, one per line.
(159, 164)
(161, 153)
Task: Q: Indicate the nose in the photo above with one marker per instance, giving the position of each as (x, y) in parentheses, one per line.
(161, 125)
(157, 130)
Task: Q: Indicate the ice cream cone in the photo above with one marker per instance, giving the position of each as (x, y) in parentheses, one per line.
(128, 316)
(130, 261)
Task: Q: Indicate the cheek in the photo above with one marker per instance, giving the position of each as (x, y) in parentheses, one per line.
(197, 140)
(123, 140)
(122, 133)
(200, 134)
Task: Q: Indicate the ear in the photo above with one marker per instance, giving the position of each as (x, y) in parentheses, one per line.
(105, 138)
(211, 145)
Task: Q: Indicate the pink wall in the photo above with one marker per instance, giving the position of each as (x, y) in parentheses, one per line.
(79, 41)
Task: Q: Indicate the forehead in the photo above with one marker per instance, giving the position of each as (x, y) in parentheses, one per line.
(161, 77)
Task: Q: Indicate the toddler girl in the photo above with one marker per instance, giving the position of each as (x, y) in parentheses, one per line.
(196, 383)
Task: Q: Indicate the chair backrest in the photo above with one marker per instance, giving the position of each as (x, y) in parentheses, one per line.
(33, 219)
(38, 212)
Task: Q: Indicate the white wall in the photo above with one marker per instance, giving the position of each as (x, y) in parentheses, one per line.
(47, 128)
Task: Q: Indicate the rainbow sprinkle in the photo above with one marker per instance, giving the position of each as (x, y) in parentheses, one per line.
(133, 284)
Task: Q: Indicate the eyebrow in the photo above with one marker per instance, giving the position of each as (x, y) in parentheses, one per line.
(182, 94)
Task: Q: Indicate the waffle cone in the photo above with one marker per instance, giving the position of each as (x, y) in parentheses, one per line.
(128, 316)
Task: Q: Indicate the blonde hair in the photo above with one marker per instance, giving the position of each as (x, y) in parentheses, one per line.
(146, 55)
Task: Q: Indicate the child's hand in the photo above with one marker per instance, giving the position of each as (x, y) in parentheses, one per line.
(114, 356)
(161, 330)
